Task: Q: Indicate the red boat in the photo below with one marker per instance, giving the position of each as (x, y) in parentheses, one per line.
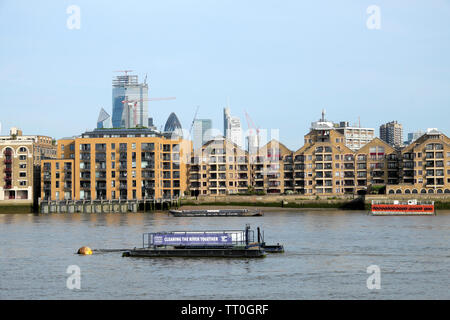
(402, 207)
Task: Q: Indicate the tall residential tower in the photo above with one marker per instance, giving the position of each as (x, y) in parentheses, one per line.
(392, 133)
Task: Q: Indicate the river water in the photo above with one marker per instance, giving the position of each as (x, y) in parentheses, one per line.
(327, 256)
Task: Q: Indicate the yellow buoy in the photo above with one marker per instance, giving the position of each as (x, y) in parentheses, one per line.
(84, 251)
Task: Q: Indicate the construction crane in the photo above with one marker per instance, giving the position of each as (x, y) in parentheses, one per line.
(132, 104)
(125, 71)
(193, 120)
(252, 127)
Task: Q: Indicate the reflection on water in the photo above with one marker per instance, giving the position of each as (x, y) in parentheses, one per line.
(326, 257)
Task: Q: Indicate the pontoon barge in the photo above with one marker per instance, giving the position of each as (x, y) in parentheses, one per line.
(217, 213)
(402, 207)
(223, 244)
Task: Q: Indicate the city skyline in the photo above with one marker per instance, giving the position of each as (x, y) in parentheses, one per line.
(328, 58)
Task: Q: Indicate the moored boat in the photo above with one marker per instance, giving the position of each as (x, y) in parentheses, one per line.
(223, 244)
(402, 207)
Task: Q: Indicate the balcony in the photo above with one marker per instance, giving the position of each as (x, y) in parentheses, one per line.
(7, 161)
(100, 148)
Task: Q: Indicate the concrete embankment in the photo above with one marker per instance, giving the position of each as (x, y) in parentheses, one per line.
(16, 208)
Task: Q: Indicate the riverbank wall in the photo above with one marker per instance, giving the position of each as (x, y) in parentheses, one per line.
(18, 207)
(345, 202)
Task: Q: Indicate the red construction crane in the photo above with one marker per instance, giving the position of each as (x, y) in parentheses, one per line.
(252, 127)
(133, 103)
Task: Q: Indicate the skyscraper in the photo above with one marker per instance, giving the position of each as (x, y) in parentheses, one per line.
(129, 99)
(104, 120)
(392, 133)
(173, 125)
(232, 129)
(413, 136)
(201, 132)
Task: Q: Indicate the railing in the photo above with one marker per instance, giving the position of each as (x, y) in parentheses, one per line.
(212, 238)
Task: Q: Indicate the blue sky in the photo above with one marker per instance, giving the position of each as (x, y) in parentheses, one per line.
(282, 61)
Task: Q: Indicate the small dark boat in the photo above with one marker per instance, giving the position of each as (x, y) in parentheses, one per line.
(217, 213)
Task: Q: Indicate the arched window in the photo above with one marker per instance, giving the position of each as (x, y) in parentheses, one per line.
(23, 149)
(423, 191)
(398, 191)
(414, 191)
(439, 191)
(430, 191)
(391, 191)
(446, 191)
(407, 191)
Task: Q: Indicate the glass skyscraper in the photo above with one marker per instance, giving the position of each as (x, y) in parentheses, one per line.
(130, 102)
(202, 132)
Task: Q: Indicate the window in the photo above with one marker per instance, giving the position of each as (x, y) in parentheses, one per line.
(22, 165)
(22, 174)
(22, 183)
(22, 157)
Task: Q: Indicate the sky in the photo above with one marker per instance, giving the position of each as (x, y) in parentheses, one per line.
(282, 62)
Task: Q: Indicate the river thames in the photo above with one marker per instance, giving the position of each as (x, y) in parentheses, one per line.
(327, 256)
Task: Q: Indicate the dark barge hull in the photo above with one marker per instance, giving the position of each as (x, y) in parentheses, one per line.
(216, 213)
(277, 248)
(189, 252)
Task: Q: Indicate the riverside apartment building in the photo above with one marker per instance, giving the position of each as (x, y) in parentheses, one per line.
(325, 165)
(111, 164)
(20, 157)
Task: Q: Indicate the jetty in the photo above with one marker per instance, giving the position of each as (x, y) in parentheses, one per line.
(107, 206)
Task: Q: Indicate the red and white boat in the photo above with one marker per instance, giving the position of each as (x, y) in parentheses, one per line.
(402, 207)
